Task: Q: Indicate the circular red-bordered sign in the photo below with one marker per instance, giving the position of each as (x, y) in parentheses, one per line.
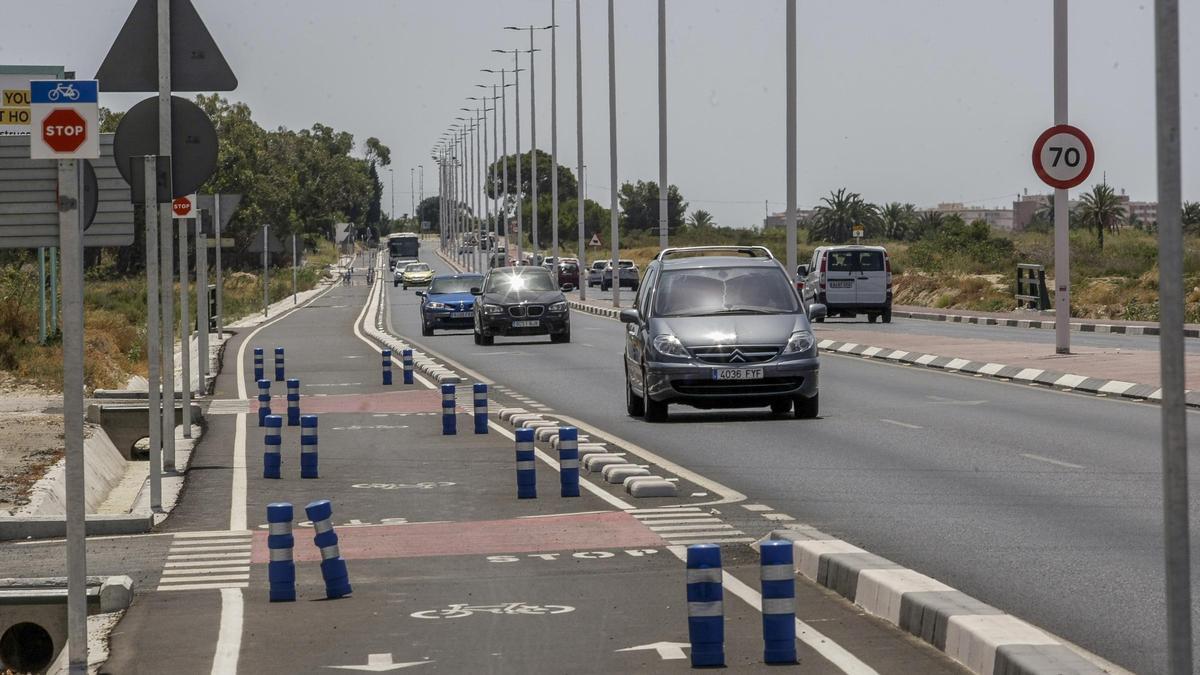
(1063, 156)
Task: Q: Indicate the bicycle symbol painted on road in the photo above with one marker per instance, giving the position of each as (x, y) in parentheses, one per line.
(64, 91)
(423, 485)
(458, 611)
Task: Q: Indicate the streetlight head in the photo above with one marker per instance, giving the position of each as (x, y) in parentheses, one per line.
(485, 86)
(503, 51)
(514, 28)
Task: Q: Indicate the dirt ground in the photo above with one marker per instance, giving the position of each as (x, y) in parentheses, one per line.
(31, 438)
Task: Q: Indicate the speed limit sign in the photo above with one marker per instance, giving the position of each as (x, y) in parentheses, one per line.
(1063, 156)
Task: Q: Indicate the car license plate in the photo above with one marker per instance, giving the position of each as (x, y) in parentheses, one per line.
(526, 324)
(841, 283)
(737, 374)
(461, 315)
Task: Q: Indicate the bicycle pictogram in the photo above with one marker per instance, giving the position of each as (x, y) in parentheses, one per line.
(458, 611)
(64, 91)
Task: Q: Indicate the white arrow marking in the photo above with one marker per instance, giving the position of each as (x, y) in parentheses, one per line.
(666, 650)
(378, 663)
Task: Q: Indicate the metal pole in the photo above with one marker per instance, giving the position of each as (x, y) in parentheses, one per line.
(420, 190)
(579, 216)
(41, 295)
(412, 206)
(533, 158)
(220, 280)
(662, 124)
(166, 267)
(495, 191)
(392, 191)
(554, 140)
(295, 267)
(153, 357)
(517, 108)
(1062, 241)
(70, 237)
(202, 304)
(185, 330)
(486, 225)
(504, 167)
(1174, 413)
(791, 139)
(53, 290)
(266, 272)
(612, 153)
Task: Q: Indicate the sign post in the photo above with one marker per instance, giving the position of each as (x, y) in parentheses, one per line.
(202, 303)
(857, 231)
(64, 115)
(183, 209)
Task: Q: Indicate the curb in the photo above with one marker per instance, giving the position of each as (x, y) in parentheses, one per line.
(1077, 327)
(49, 527)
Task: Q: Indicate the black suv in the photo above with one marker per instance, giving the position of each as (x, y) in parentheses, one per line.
(520, 301)
(719, 327)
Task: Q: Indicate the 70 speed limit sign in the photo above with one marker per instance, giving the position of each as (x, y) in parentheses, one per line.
(1063, 156)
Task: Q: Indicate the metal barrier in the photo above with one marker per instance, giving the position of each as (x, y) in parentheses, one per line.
(1031, 287)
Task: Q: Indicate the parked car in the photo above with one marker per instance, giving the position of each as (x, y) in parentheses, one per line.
(520, 301)
(414, 274)
(596, 272)
(850, 280)
(449, 303)
(719, 327)
(627, 275)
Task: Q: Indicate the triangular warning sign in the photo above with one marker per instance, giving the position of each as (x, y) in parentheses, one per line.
(595, 240)
(196, 62)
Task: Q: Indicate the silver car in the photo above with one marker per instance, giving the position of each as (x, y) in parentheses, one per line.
(719, 327)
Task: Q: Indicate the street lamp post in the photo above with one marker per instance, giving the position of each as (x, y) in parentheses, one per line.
(554, 140)
(412, 207)
(517, 108)
(612, 153)
(579, 217)
(502, 213)
(533, 161)
(662, 125)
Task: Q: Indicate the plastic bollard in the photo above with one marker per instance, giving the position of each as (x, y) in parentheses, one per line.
(568, 460)
(264, 401)
(778, 602)
(407, 359)
(526, 465)
(481, 408)
(387, 367)
(279, 364)
(449, 420)
(333, 568)
(281, 570)
(293, 402)
(258, 363)
(706, 611)
(308, 446)
(272, 459)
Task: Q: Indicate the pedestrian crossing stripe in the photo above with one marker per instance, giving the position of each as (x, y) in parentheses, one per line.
(211, 560)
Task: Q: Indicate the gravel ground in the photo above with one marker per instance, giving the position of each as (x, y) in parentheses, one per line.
(31, 439)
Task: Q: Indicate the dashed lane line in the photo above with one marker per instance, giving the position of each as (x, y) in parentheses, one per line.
(1049, 460)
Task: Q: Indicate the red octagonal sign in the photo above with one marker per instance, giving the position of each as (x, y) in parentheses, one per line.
(64, 130)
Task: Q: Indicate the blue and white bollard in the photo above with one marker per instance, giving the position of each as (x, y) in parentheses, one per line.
(279, 364)
(481, 408)
(258, 363)
(333, 568)
(281, 570)
(449, 420)
(293, 402)
(706, 611)
(264, 401)
(778, 602)
(272, 459)
(407, 359)
(526, 465)
(568, 460)
(387, 367)
(308, 446)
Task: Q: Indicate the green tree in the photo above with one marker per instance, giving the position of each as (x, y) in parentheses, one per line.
(1191, 217)
(836, 216)
(1102, 210)
(701, 218)
(897, 220)
(427, 211)
(639, 206)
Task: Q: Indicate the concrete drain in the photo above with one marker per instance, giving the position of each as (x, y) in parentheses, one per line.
(26, 648)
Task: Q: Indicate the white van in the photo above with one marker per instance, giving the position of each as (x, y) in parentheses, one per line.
(849, 280)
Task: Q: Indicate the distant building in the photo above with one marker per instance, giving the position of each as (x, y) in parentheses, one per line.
(1025, 208)
(998, 218)
(1143, 212)
(780, 219)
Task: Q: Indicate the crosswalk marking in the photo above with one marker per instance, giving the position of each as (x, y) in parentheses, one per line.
(200, 561)
(207, 570)
(683, 528)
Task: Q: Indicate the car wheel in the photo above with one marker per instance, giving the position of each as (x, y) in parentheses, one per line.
(426, 329)
(634, 288)
(395, 284)
(487, 339)
(872, 317)
(406, 287)
(564, 336)
(887, 314)
(781, 406)
(807, 408)
(635, 405)
(655, 411)
(476, 336)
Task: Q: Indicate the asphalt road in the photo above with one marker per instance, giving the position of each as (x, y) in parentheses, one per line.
(1045, 504)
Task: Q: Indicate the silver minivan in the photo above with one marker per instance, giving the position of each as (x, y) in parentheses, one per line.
(849, 280)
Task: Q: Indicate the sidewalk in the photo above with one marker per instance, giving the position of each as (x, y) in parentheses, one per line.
(1035, 319)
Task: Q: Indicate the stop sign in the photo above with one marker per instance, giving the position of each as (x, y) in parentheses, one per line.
(64, 130)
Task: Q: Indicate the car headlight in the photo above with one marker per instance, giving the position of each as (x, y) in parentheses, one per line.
(669, 345)
(800, 342)
(435, 305)
(560, 306)
(493, 309)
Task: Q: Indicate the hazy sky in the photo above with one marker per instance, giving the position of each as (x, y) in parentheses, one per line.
(920, 100)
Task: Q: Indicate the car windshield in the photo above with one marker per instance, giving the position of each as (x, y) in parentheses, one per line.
(530, 279)
(724, 290)
(454, 284)
(855, 261)
(417, 267)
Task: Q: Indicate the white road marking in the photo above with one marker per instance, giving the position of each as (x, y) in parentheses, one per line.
(715, 527)
(777, 516)
(685, 541)
(213, 586)
(213, 533)
(906, 425)
(678, 509)
(206, 556)
(1048, 460)
(204, 542)
(660, 517)
(204, 570)
(200, 549)
(201, 579)
(756, 507)
(656, 524)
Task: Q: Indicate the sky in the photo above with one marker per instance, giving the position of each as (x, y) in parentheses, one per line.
(922, 101)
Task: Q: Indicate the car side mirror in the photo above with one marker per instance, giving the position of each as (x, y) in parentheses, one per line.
(475, 290)
(567, 288)
(629, 316)
(802, 270)
(420, 294)
(817, 311)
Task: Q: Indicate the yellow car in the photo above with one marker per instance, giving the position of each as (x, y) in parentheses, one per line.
(416, 274)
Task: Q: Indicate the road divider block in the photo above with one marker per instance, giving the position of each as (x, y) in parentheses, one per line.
(387, 367)
(507, 413)
(596, 463)
(258, 363)
(272, 458)
(281, 569)
(617, 473)
(333, 568)
(480, 391)
(650, 486)
(568, 461)
(521, 418)
(449, 419)
(526, 465)
(778, 602)
(308, 446)
(555, 440)
(547, 434)
(264, 401)
(706, 609)
(406, 357)
(293, 402)
(279, 364)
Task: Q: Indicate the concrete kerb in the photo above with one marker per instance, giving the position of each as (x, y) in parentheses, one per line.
(1043, 324)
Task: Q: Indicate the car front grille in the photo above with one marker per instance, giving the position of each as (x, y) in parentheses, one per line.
(520, 311)
(766, 386)
(731, 354)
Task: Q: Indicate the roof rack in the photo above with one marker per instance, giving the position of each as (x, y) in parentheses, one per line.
(698, 251)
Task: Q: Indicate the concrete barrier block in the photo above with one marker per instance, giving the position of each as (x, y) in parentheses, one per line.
(544, 433)
(607, 469)
(596, 463)
(972, 640)
(116, 593)
(808, 554)
(1037, 659)
(539, 424)
(630, 480)
(522, 418)
(925, 614)
(617, 476)
(840, 572)
(585, 452)
(652, 488)
(880, 591)
(507, 413)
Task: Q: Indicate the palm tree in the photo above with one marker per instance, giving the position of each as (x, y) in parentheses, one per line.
(839, 212)
(927, 224)
(1191, 217)
(1102, 210)
(897, 220)
(701, 218)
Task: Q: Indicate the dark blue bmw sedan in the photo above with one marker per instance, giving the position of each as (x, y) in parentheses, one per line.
(448, 303)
